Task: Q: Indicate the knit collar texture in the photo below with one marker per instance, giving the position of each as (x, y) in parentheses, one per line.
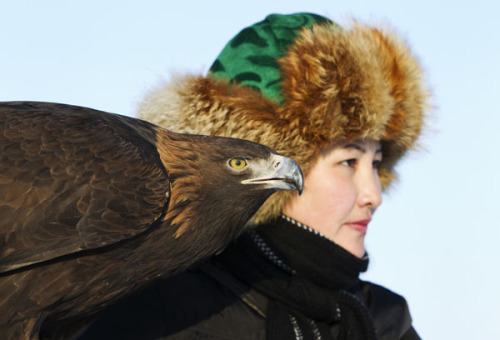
(312, 255)
(310, 281)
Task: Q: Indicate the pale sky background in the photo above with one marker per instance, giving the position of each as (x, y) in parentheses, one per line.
(435, 238)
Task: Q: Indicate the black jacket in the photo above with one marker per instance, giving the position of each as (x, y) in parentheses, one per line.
(229, 297)
(210, 304)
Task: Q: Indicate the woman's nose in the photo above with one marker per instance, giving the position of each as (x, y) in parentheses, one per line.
(370, 190)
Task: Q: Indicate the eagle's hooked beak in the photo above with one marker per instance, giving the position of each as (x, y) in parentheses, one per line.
(282, 173)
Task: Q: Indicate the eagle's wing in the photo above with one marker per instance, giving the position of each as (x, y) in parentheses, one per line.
(74, 179)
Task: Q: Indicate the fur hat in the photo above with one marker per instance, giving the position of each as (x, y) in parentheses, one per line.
(297, 83)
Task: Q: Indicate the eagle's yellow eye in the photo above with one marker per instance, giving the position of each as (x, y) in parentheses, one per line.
(237, 163)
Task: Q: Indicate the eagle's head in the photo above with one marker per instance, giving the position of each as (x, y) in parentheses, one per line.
(218, 183)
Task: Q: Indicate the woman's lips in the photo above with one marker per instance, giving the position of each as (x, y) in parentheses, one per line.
(360, 226)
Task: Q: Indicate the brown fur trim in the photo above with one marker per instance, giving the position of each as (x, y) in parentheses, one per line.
(356, 82)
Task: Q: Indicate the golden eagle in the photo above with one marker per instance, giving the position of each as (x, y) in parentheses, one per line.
(95, 205)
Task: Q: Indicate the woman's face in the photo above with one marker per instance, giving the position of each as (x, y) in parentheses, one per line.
(341, 192)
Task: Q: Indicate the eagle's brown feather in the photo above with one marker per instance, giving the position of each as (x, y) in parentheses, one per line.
(64, 186)
(94, 206)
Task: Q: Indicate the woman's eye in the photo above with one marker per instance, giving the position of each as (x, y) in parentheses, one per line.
(237, 163)
(349, 162)
(376, 164)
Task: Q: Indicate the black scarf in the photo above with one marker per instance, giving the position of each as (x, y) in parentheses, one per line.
(312, 283)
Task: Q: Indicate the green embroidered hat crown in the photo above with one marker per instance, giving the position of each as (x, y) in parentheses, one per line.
(250, 58)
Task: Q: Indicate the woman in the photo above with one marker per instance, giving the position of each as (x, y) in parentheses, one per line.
(346, 103)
